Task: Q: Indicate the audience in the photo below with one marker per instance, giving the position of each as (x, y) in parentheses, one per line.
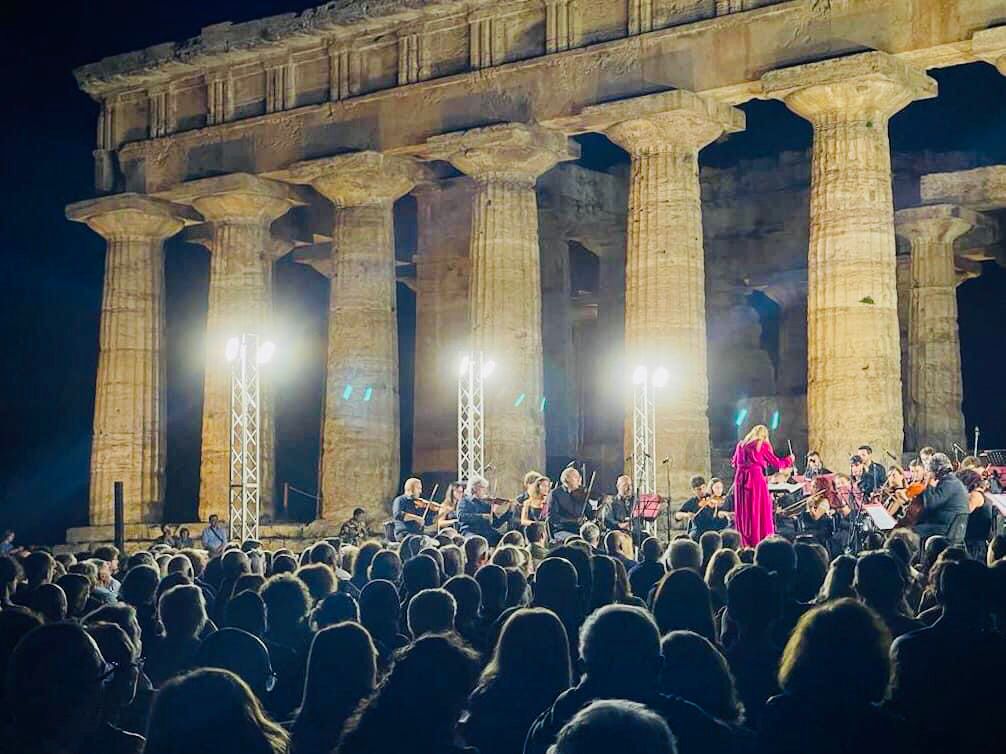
(445, 644)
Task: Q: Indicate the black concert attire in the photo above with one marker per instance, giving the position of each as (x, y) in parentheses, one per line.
(941, 505)
(822, 529)
(471, 519)
(810, 472)
(979, 531)
(565, 511)
(618, 511)
(874, 477)
(405, 504)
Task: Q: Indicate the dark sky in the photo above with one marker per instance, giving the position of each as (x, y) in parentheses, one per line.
(50, 284)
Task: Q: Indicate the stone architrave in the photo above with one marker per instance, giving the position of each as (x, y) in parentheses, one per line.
(444, 219)
(360, 453)
(129, 409)
(240, 208)
(505, 161)
(854, 356)
(665, 305)
(990, 46)
(935, 389)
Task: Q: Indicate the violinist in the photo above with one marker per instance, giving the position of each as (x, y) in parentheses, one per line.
(447, 512)
(618, 511)
(477, 513)
(817, 520)
(688, 509)
(815, 466)
(532, 500)
(872, 476)
(565, 505)
(945, 498)
(712, 513)
(409, 518)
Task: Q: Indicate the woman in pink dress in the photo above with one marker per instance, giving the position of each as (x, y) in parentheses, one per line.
(752, 501)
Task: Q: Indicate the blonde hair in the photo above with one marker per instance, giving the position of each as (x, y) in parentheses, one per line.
(758, 432)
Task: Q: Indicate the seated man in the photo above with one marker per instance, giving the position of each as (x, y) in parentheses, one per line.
(354, 531)
(408, 518)
(944, 499)
(475, 513)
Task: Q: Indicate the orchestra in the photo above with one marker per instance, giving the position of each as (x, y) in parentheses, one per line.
(837, 510)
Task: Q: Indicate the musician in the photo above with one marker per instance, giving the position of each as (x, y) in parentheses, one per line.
(752, 502)
(532, 500)
(994, 484)
(700, 491)
(872, 475)
(447, 515)
(408, 517)
(926, 456)
(565, 506)
(980, 515)
(618, 512)
(944, 499)
(817, 520)
(916, 470)
(815, 466)
(712, 513)
(475, 512)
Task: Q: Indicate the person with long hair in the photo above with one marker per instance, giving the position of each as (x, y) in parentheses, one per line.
(206, 711)
(752, 502)
(341, 671)
(681, 603)
(529, 669)
(417, 706)
(694, 669)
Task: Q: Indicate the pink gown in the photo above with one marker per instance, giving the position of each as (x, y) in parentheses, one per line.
(752, 501)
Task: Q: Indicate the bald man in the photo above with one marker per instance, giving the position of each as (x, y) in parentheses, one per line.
(618, 513)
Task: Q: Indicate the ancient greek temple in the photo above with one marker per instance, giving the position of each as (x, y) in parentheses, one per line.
(311, 134)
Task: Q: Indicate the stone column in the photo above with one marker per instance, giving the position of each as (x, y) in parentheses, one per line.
(444, 220)
(854, 359)
(360, 453)
(558, 363)
(903, 278)
(240, 209)
(505, 285)
(935, 390)
(128, 443)
(665, 304)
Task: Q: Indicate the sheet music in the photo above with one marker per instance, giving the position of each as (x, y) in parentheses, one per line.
(884, 520)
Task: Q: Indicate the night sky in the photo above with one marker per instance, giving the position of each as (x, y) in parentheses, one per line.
(50, 284)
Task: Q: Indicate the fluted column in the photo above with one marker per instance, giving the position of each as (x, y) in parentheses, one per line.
(128, 443)
(240, 209)
(360, 449)
(505, 284)
(444, 234)
(854, 357)
(935, 389)
(665, 304)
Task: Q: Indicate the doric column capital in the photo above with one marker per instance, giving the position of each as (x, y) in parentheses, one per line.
(131, 215)
(360, 178)
(943, 223)
(237, 198)
(511, 151)
(990, 46)
(866, 85)
(659, 122)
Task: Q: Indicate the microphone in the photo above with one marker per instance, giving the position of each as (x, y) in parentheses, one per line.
(892, 456)
(960, 450)
(666, 460)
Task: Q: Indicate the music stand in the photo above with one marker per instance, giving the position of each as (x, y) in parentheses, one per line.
(647, 507)
(879, 516)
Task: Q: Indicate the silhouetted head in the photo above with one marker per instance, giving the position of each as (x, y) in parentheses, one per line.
(777, 555)
(341, 670)
(532, 651)
(418, 573)
(493, 584)
(379, 608)
(201, 704)
(637, 663)
(336, 608)
(681, 602)
(240, 653)
(879, 582)
(650, 551)
(431, 611)
(467, 596)
(319, 578)
(139, 587)
(386, 566)
(609, 724)
(752, 598)
(695, 670)
(287, 601)
(49, 601)
(246, 611)
(182, 611)
(838, 581)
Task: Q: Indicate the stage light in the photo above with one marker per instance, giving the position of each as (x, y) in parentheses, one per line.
(347, 392)
(233, 349)
(367, 393)
(775, 420)
(660, 377)
(639, 375)
(266, 351)
(741, 416)
(464, 366)
(520, 400)
(541, 406)
(488, 368)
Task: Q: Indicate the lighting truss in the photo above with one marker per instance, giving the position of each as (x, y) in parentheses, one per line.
(644, 421)
(245, 448)
(471, 416)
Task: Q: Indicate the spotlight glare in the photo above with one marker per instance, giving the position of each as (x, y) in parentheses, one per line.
(660, 377)
(775, 420)
(367, 393)
(639, 375)
(520, 400)
(488, 368)
(464, 366)
(266, 351)
(741, 416)
(347, 392)
(232, 349)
